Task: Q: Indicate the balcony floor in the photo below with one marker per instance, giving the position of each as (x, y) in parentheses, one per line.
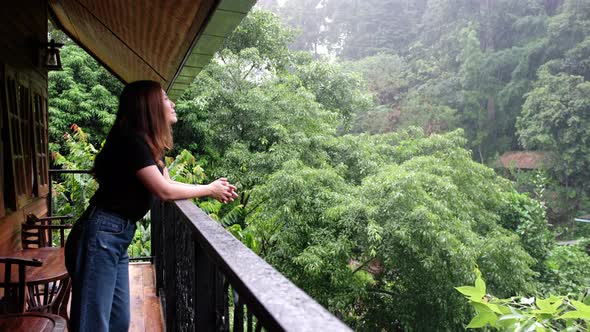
(146, 313)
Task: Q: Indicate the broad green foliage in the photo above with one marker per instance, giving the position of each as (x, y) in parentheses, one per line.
(72, 192)
(527, 218)
(141, 245)
(566, 270)
(84, 93)
(555, 313)
(184, 168)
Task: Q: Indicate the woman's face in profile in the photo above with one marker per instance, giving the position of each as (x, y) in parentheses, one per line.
(169, 112)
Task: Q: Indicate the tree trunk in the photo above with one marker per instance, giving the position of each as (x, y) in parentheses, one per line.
(486, 38)
(551, 6)
(491, 109)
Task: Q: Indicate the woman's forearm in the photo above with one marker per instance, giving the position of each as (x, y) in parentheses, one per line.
(178, 190)
(166, 189)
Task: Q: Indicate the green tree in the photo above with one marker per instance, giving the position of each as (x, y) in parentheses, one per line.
(261, 105)
(566, 270)
(388, 248)
(362, 28)
(386, 75)
(556, 117)
(84, 93)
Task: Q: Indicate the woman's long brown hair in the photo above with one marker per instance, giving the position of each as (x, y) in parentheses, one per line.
(141, 110)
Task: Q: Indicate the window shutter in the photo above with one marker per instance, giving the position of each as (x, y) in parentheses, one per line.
(16, 176)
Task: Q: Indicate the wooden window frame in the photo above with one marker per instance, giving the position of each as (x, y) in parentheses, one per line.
(25, 113)
(40, 143)
(24, 124)
(2, 138)
(14, 163)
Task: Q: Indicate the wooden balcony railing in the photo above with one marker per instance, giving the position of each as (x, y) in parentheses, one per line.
(207, 280)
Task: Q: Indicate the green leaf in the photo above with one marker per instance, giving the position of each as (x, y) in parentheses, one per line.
(482, 319)
(485, 307)
(575, 315)
(473, 293)
(580, 306)
(548, 306)
(480, 284)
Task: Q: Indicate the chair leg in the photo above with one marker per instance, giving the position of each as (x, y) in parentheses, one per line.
(63, 306)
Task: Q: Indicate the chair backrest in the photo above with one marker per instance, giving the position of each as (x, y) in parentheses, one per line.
(13, 283)
(38, 232)
(49, 296)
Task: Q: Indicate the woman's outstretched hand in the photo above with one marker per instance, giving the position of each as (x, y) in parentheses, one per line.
(222, 190)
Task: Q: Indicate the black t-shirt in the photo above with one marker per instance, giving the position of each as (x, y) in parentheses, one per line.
(120, 190)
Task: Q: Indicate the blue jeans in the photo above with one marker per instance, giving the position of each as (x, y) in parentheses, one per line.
(97, 261)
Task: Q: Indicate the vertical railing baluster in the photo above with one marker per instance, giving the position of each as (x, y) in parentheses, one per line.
(169, 267)
(250, 318)
(223, 301)
(258, 326)
(156, 236)
(238, 313)
(204, 291)
(50, 196)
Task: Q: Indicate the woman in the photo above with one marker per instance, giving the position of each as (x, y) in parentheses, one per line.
(130, 173)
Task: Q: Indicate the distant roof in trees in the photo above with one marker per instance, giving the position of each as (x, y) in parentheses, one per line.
(168, 41)
(525, 159)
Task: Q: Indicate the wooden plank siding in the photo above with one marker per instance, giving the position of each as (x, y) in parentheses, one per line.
(134, 39)
(23, 117)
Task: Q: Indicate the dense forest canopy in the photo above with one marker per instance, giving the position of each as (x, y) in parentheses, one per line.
(502, 70)
(361, 135)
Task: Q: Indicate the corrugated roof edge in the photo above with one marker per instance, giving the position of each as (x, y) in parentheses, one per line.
(226, 16)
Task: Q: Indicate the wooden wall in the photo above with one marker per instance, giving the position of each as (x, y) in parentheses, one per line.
(23, 28)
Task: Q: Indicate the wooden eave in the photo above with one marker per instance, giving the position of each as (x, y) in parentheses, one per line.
(168, 41)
